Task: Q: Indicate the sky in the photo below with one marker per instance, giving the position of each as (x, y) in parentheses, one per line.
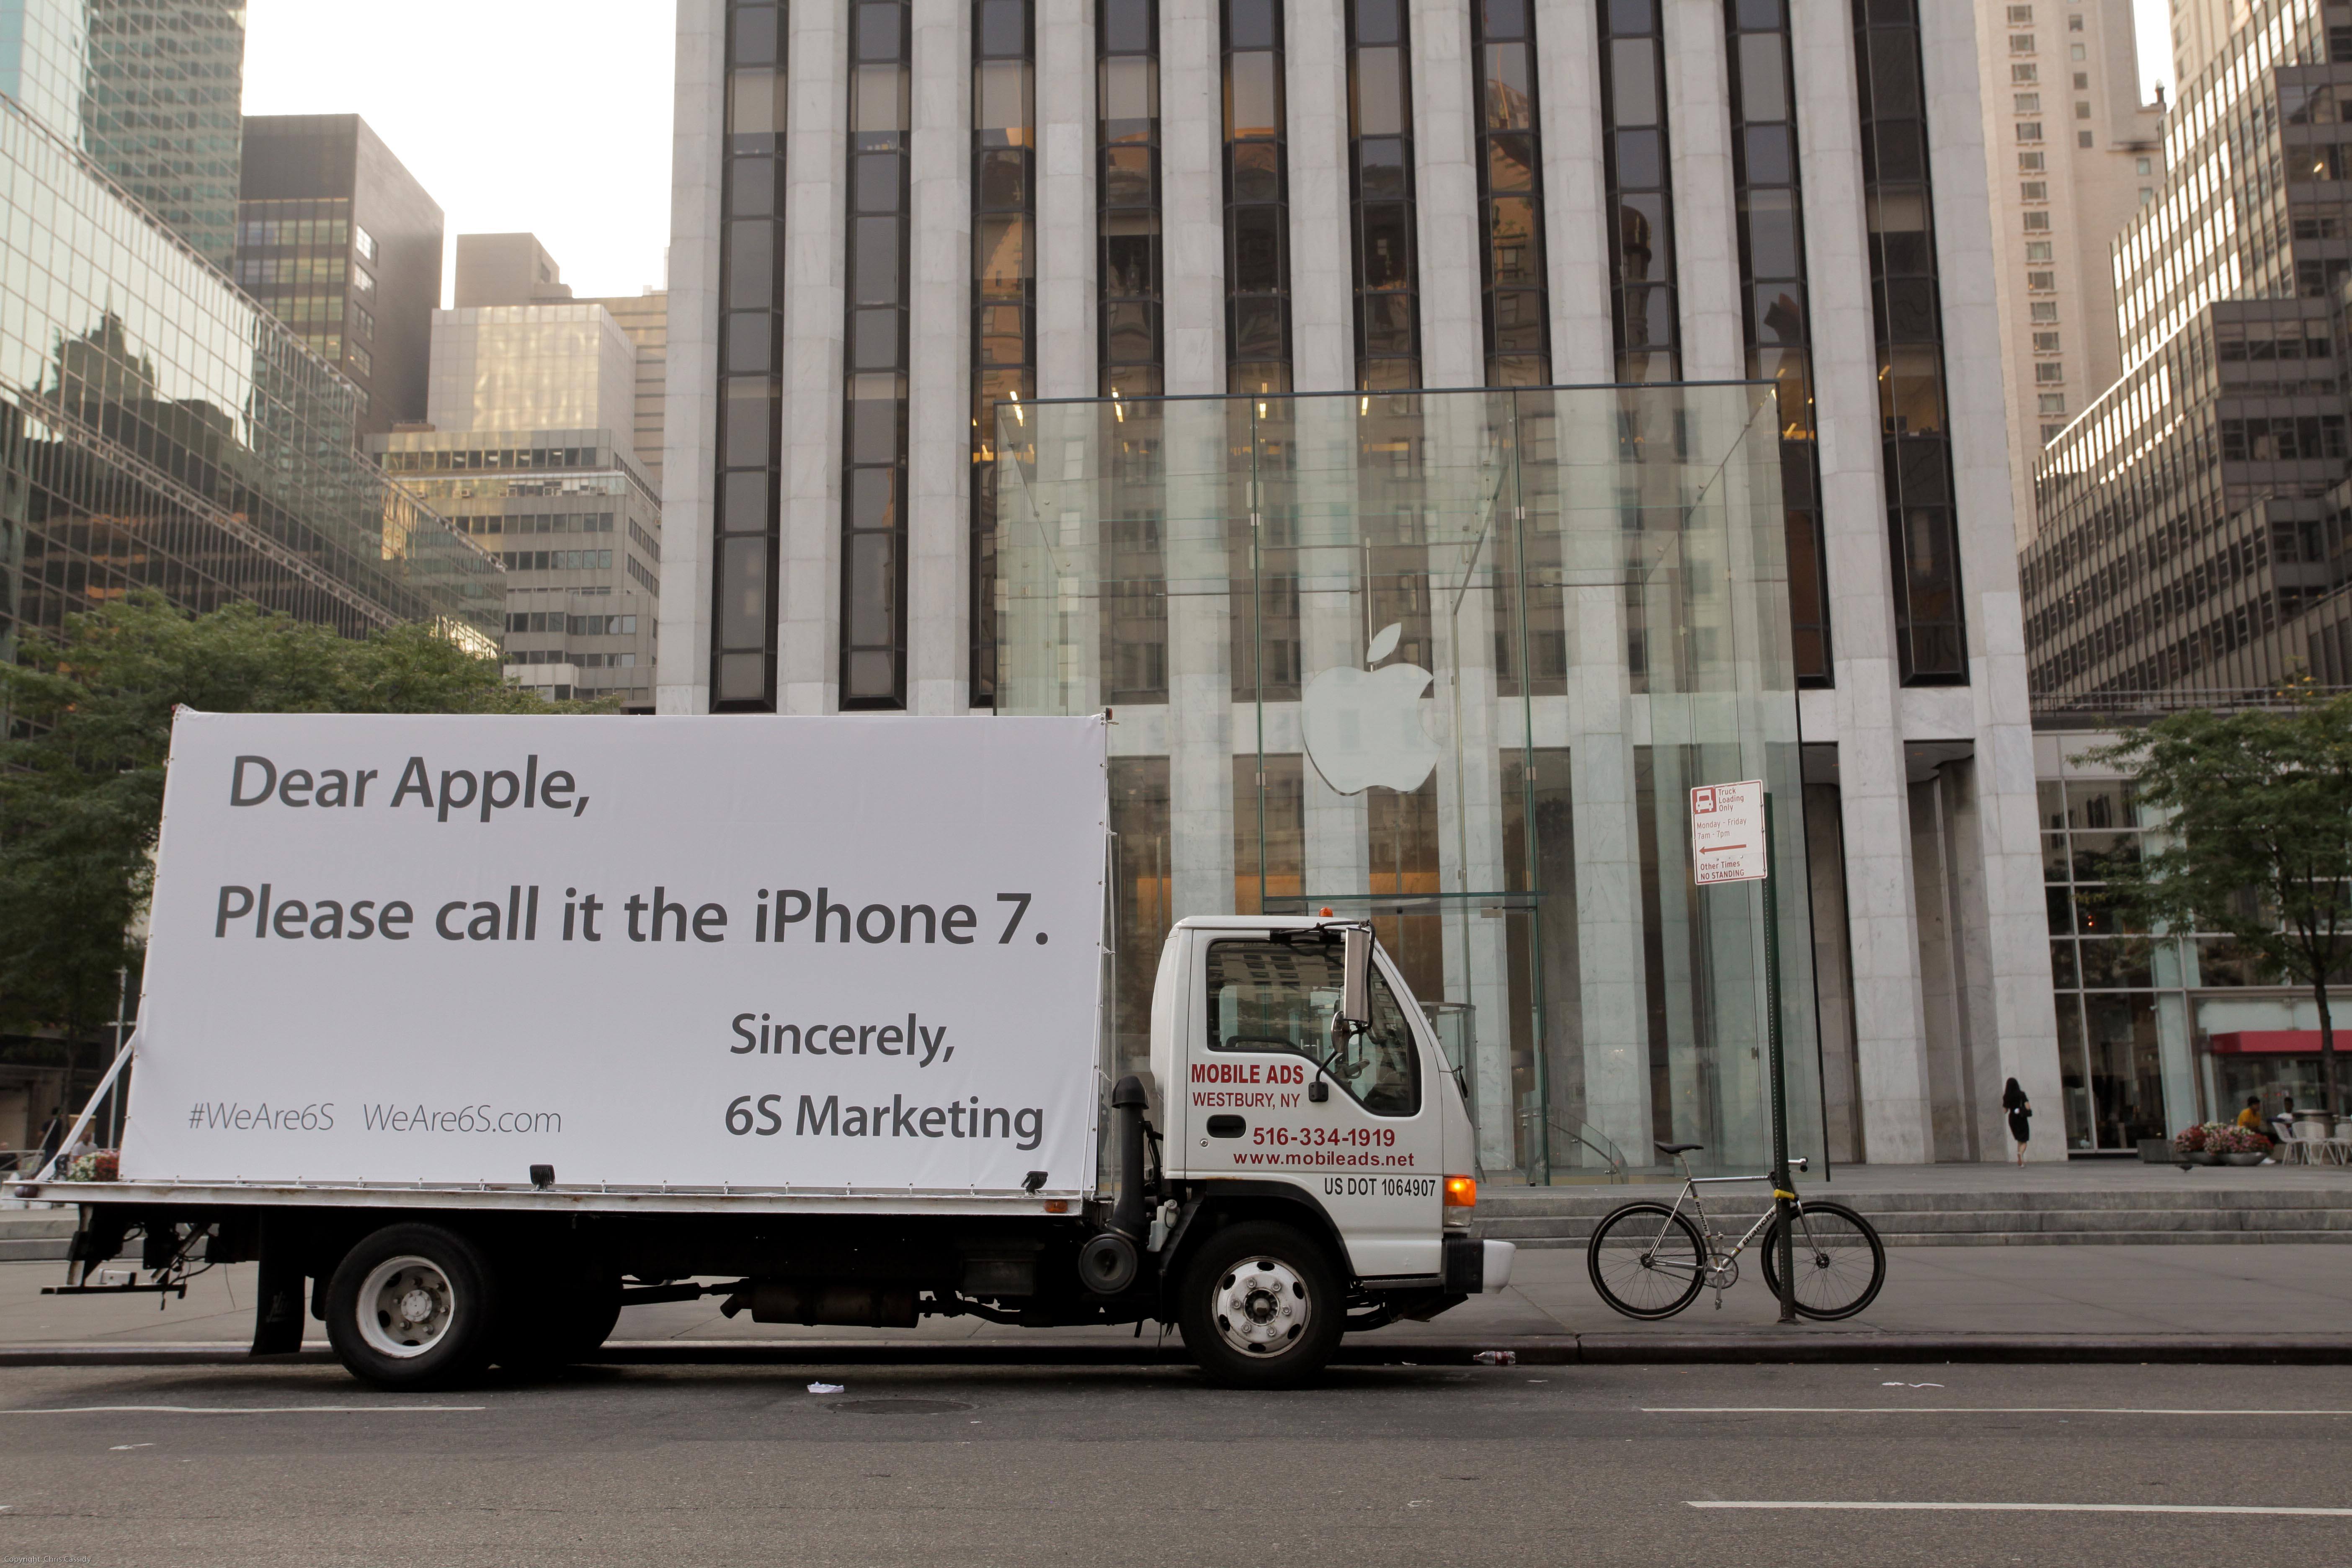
(517, 120)
(2151, 19)
(512, 114)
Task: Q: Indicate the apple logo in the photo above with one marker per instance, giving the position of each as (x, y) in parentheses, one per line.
(1363, 726)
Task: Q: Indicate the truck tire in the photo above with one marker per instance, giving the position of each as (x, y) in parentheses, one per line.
(559, 1323)
(412, 1306)
(1261, 1306)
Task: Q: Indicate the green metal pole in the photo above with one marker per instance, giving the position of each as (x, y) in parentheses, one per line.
(1782, 1190)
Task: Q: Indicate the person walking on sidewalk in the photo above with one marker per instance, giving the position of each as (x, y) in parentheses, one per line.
(2021, 1116)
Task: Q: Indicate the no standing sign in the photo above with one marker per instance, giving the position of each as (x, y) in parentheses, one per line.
(1728, 833)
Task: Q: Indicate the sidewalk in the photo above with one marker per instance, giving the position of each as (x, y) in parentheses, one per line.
(2045, 1303)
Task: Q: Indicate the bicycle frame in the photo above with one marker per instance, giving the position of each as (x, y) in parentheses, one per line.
(1716, 1258)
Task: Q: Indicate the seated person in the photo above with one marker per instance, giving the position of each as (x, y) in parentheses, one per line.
(2282, 1124)
(2250, 1119)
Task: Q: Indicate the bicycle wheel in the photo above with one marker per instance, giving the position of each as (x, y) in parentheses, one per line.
(1840, 1263)
(1646, 1260)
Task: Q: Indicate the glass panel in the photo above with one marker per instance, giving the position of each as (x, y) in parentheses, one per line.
(1378, 568)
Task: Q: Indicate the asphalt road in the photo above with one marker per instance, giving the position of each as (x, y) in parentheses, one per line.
(1030, 1466)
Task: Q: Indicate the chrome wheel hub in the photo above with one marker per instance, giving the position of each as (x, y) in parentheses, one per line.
(1262, 1306)
(405, 1306)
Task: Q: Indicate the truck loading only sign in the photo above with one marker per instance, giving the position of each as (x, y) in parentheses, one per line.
(768, 953)
(1728, 833)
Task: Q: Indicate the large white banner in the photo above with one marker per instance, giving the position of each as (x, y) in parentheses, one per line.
(826, 953)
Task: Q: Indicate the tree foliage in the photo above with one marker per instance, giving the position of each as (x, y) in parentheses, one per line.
(88, 725)
(2258, 837)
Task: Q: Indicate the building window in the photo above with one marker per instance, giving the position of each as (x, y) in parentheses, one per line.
(2082, 110)
(2083, 139)
(2045, 343)
(2037, 223)
(2029, 163)
(2145, 196)
(2143, 165)
(2049, 372)
(1907, 308)
(873, 640)
(2040, 282)
(2025, 73)
(1777, 310)
(365, 243)
(2021, 43)
(744, 519)
(2044, 310)
(364, 323)
(2083, 82)
(1127, 99)
(2029, 131)
(2021, 16)
(1636, 165)
(2033, 191)
(1257, 208)
(2074, 52)
(2027, 103)
(2051, 433)
(2051, 403)
(363, 282)
(1381, 178)
(2037, 251)
(1517, 325)
(1004, 281)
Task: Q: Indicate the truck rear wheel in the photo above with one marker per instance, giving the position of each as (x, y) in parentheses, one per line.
(1261, 1306)
(413, 1307)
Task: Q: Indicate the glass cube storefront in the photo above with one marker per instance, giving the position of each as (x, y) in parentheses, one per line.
(1452, 661)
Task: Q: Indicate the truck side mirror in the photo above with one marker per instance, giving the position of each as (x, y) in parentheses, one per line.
(1355, 979)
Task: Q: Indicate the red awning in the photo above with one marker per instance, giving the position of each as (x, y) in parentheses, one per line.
(2274, 1042)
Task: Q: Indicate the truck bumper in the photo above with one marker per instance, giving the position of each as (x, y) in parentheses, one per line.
(1495, 1272)
(1474, 1267)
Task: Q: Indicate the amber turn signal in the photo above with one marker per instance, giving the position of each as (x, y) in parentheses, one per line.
(1461, 1192)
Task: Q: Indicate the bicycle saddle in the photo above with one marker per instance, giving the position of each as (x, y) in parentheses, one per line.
(1680, 1147)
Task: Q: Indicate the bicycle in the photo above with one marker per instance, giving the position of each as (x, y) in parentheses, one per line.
(1648, 1260)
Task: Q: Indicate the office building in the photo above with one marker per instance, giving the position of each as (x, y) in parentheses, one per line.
(342, 244)
(2192, 554)
(2076, 155)
(159, 431)
(2191, 517)
(531, 367)
(516, 270)
(2200, 31)
(575, 522)
(527, 450)
(906, 233)
(151, 89)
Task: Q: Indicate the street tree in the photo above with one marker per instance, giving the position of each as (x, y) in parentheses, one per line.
(2257, 809)
(85, 726)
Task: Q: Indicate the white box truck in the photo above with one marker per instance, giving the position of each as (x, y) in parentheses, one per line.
(474, 1030)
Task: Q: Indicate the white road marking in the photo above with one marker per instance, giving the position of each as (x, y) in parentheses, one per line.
(2038, 1507)
(247, 1410)
(1952, 1410)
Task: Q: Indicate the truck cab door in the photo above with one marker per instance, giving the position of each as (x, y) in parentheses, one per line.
(1371, 1151)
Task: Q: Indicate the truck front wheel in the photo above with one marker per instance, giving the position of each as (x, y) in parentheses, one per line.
(412, 1307)
(1261, 1306)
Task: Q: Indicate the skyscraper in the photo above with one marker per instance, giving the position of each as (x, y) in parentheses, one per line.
(2192, 517)
(2075, 153)
(1347, 240)
(516, 270)
(150, 88)
(342, 244)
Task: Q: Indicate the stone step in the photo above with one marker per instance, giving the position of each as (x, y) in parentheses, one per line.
(1536, 1202)
(2037, 1238)
(35, 1236)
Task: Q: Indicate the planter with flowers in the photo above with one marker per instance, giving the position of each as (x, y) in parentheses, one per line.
(2239, 1145)
(98, 1165)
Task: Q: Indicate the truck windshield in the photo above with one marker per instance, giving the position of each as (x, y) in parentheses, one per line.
(1280, 996)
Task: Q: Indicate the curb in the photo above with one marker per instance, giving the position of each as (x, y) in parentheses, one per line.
(1772, 1348)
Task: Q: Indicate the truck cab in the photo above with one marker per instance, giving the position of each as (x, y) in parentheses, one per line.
(1277, 1109)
